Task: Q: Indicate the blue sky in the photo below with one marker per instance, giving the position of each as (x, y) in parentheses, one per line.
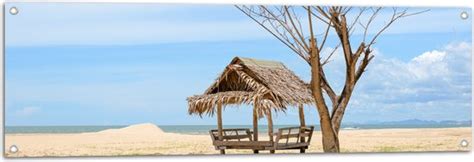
(119, 64)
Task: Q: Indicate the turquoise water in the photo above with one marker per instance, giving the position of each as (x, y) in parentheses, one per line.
(204, 129)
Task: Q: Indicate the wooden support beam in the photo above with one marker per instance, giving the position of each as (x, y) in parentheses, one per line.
(270, 127)
(302, 150)
(219, 124)
(301, 113)
(255, 124)
(302, 124)
(260, 144)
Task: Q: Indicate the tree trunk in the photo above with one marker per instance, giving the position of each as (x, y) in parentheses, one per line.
(329, 136)
(338, 114)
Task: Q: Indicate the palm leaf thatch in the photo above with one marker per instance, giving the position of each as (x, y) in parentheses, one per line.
(267, 84)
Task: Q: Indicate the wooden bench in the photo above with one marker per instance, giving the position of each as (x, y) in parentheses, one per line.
(293, 138)
(241, 138)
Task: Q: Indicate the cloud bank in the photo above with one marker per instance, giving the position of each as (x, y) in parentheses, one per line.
(435, 85)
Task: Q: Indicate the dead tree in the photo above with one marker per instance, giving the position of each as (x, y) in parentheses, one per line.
(295, 27)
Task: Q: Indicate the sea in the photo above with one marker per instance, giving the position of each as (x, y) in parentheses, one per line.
(204, 129)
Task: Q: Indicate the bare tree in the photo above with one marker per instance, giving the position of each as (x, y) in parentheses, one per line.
(295, 26)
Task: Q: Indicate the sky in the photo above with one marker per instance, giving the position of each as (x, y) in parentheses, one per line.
(121, 64)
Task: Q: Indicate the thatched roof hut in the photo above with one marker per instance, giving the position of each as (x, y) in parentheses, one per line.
(266, 84)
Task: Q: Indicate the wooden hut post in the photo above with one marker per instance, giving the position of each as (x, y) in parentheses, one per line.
(302, 124)
(270, 127)
(219, 124)
(255, 124)
(301, 112)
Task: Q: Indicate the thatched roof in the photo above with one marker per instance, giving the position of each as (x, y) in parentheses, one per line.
(269, 84)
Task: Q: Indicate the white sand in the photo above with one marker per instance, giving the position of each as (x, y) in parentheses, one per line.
(148, 139)
(138, 129)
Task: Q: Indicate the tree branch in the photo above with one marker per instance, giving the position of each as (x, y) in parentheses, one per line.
(281, 39)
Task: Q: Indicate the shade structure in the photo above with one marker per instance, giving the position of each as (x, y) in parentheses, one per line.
(267, 85)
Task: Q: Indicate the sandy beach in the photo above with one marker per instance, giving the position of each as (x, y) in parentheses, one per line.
(148, 139)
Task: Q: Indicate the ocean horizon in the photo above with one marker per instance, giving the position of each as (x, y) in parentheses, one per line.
(204, 129)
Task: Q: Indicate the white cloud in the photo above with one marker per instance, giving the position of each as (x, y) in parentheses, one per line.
(435, 82)
(28, 111)
(43, 25)
(430, 57)
(428, 64)
(133, 32)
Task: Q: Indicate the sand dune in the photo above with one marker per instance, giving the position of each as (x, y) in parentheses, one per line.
(148, 139)
(138, 129)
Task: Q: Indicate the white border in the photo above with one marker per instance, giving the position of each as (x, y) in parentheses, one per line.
(385, 157)
(409, 3)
